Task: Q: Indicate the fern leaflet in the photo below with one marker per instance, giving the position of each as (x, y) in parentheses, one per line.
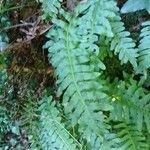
(52, 134)
(144, 47)
(51, 8)
(131, 104)
(122, 44)
(131, 139)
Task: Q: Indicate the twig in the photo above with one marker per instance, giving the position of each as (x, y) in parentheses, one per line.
(17, 25)
(14, 45)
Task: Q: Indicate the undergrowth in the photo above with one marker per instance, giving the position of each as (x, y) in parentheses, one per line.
(94, 94)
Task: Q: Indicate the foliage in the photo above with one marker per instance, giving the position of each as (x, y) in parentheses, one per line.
(74, 53)
(131, 103)
(94, 106)
(7, 124)
(122, 43)
(130, 137)
(144, 47)
(132, 6)
(57, 136)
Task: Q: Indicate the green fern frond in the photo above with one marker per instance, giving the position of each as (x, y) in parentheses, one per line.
(74, 55)
(51, 8)
(44, 127)
(52, 134)
(131, 104)
(131, 139)
(144, 47)
(73, 50)
(75, 76)
(132, 6)
(49, 132)
(96, 16)
(122, 44)
(109, 142)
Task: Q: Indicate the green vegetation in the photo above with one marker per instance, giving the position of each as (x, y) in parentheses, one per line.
(77, 76)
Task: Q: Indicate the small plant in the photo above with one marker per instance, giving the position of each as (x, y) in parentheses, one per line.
(100, 114)
(100, 96)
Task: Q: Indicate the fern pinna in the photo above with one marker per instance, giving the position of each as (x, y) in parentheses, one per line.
(131, 104)
(130, 137)
(144, 46)
(88, 105)
(52, 134)
(122, 44)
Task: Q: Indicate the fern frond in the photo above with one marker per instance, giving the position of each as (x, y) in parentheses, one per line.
(131, 139)
(72, 50)
(132, 6)
(96, 16)
(131, 104)
(74, 55)
(50, 8)
(144, 47)
(52, 134)
(122, 44)
(109, 142)
(47, 132)
(29, 120)
(76, 77)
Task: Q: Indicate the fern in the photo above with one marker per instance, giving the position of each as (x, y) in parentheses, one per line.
(53, 135)
(132, 6)
(76, 78)
(119, 40)
(47, 132)
(109, 142)
(144, 47)
(51, 8)
(122, 44)
(73, 53)
(131, 139)
(131, 104)
(97, 15)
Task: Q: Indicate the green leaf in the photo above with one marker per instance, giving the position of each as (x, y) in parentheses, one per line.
(122, 44)
(144, 47)
(50, 131)
(135, 5)
(131, 104)
(131, 138)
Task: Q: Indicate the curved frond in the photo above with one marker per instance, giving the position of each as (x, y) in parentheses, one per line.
(51, 7)
(109, 142)
(52, 134)
(144, 47)
(131, 139)
(131, 104)
(74, 55)
(132, 6)
(75, 76)
(122, 44)
(45, 128)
